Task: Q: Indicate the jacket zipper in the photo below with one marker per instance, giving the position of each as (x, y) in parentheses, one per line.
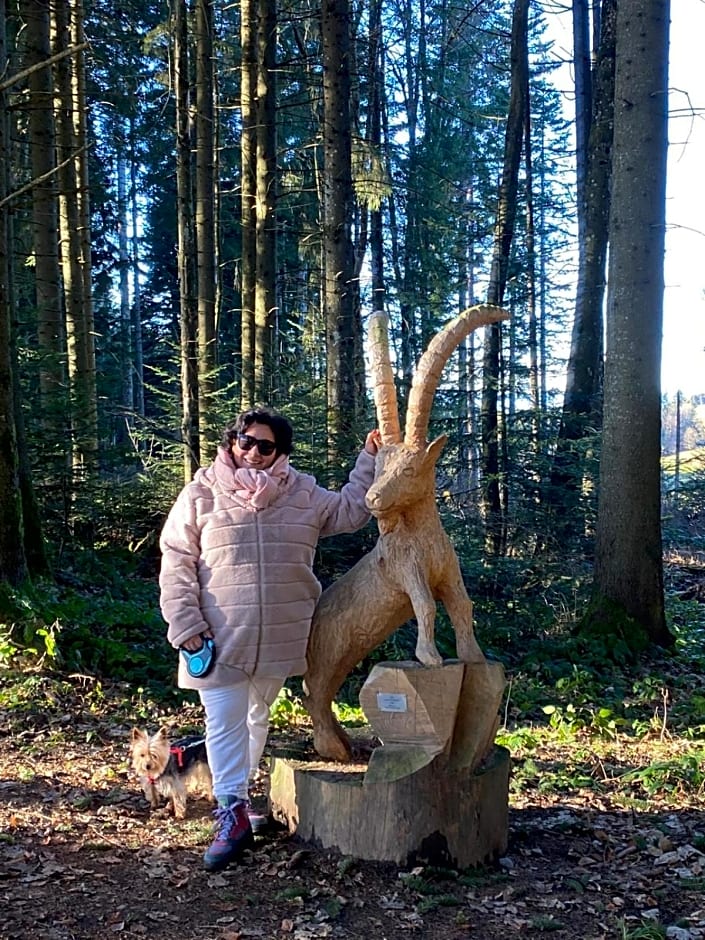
(259, 593)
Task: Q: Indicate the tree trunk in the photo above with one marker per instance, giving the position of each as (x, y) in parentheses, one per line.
(503, 236)
(138, 352)
(74, 215)
(248, 156)
(184, 213)
(466, 480)
(534, 392)
(86, 415)
(407, 253)
(583, 104)
(32, 542)
(582, 404)
(265, 203)
(207, 275)
(628, 561)
(339, 293)
(374, 142)
(45, 222)
(124, 288)
(13, 564)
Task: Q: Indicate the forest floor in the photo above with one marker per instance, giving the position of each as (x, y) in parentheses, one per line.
(81, 855)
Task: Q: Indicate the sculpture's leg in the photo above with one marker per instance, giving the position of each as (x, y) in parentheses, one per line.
(329, 738)
(425, 612)
(458, 605)
(353, 616)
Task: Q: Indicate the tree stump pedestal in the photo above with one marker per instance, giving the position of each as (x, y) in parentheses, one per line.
(436, 790)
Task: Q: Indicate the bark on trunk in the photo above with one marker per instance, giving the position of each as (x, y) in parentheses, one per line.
(205, 182)
(582, 404)
(13, 565)
(184, 206)
(492, 501)
(248, 152)
(628, 563)
(339, 292)
(45, 221)
(265, 204)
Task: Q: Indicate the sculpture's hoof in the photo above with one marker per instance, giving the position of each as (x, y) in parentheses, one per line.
(331, 746)
(429, 656)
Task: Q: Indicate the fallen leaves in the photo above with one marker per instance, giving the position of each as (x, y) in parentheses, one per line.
(81, 857)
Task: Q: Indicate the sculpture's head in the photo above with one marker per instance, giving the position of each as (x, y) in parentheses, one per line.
(403, 476)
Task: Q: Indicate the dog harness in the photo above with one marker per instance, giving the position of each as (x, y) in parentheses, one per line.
(183, 754)
(187, 751)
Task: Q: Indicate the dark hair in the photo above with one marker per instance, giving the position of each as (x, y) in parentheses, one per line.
(281, 429)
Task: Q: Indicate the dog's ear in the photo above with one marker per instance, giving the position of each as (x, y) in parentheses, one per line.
(163, 733)
(138, 735)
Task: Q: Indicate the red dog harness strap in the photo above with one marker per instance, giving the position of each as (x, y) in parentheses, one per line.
(187, 751)
(178, 753)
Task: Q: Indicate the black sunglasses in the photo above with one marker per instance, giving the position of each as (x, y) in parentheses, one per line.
(265, 447)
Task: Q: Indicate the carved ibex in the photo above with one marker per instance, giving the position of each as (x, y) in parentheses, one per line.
(413, 564)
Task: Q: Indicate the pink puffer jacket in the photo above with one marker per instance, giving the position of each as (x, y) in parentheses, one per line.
(248, 575)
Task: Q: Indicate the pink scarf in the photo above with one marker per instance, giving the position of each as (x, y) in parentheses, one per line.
(259, 487)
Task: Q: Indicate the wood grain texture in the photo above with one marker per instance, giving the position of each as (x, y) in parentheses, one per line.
(413, 565)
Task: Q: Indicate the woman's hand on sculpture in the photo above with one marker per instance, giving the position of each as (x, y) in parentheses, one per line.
(373, 442)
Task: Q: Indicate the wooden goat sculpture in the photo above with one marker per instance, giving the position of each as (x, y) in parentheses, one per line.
(413, 564)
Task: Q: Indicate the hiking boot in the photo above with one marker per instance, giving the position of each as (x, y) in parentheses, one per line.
(232, 835)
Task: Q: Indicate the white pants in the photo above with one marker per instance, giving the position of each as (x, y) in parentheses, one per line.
(237, 723)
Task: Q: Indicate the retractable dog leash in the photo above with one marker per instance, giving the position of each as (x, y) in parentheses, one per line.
(200, 662)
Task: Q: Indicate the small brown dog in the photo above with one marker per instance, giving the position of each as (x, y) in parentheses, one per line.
(170, 770)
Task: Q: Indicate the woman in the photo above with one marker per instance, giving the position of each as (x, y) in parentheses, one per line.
(237, 556)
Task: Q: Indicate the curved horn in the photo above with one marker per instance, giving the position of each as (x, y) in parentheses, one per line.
(385, 393)
(430, 366)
